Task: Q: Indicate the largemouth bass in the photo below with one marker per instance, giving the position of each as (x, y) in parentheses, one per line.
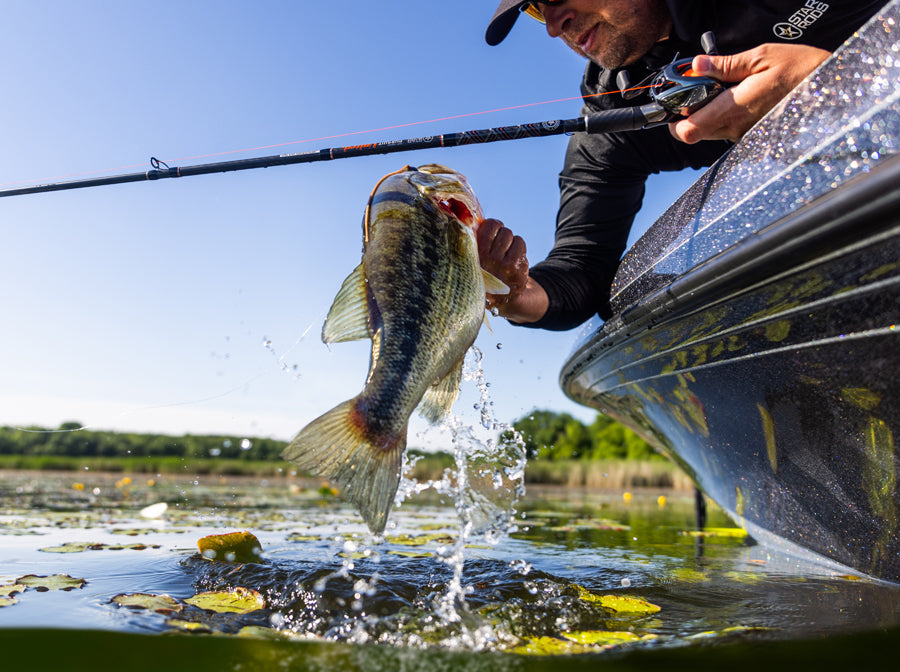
(419, 294)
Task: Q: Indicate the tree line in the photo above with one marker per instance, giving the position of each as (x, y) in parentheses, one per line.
(559, 436)
(70, 440)
(548, 435)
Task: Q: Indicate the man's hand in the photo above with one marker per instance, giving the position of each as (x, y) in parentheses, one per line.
(766, 74)
(502, 254)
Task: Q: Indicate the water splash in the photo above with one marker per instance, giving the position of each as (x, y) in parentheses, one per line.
(484, 486)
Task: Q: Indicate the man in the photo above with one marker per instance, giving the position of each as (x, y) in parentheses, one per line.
(769, 46)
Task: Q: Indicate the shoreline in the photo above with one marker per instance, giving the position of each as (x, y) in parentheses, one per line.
(99, 478)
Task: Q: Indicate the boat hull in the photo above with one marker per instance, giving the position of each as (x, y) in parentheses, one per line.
(768, 369)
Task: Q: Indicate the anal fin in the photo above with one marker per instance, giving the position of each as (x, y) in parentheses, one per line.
(439, 397)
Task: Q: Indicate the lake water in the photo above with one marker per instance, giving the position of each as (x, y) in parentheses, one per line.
(422, 597)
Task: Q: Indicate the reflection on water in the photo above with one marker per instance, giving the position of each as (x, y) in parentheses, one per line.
(323, 577)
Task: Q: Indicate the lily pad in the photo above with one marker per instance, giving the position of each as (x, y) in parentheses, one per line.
(10, 589)
(53, 582)
(260, 632)
(237, 601)
(602, 524)
(420, 539)
(304, 537)
(722, 532)
(190, 626)
(231, 547)
(726, 632)
(6, 601)
(548, 646)
(70, 547)
(410, 554)
(605, 638)
(161, 604)
(136, 531)
(81, 546)
(620, 604)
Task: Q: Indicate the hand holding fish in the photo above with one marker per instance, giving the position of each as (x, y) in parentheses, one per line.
(766, 74)
(502, 255)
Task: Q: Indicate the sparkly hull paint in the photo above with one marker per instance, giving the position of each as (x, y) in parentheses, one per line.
(755, 337)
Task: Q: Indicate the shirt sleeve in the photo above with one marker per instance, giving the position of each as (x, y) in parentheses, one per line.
(602, 188)
(599, 199)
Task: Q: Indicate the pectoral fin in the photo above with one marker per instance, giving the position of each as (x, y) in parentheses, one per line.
(348, 318)
(439, 398)
(493, 284)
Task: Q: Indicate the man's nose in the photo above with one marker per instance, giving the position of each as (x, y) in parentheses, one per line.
(555, 17)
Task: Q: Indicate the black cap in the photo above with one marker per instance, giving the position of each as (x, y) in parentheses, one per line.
(503, 21)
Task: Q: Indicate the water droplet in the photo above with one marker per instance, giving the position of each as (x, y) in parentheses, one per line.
(246, 444)
(499, 346)
(626, 582)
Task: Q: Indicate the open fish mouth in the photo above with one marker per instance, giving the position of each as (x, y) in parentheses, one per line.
(450, 191)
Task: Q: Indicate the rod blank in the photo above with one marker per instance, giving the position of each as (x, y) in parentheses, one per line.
(627, 119)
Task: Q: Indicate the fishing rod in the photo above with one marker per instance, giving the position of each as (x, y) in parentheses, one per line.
(676, 92)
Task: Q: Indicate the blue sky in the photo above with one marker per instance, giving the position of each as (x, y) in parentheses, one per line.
(196, 304)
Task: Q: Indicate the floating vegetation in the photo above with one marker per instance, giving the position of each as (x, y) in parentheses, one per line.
(7, 591)
(719, 532)
(236, 601)
(620, 604)
(81, 546)
(591, 641)
(231, 547)
(52, 582)
(161, 604)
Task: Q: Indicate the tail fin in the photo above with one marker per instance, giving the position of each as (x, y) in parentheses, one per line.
(337, 447)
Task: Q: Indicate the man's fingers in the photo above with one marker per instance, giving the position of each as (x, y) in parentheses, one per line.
(502, 253)
(485, 235)
(515, 251)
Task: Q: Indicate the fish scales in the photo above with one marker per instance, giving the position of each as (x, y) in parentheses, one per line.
(418, 293)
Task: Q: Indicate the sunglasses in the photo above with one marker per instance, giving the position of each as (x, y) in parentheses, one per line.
(532, 9)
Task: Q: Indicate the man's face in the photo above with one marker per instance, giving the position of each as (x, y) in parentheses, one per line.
(612, 33)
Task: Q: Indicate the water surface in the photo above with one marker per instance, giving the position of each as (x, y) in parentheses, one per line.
(547, 588)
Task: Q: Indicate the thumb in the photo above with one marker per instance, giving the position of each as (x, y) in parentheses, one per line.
(731, 68)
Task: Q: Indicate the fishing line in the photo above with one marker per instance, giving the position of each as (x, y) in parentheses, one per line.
(330, 137)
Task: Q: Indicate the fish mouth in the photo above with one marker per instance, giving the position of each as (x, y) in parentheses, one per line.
(450, 191)
(459, 210)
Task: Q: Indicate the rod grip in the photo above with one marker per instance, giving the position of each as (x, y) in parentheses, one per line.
(623, 119)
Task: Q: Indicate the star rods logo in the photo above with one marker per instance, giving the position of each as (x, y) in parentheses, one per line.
(799, 21)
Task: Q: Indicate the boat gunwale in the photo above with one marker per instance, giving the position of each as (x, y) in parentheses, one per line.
(795, 239)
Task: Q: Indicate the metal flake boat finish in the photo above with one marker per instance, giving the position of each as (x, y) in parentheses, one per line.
(754, 339)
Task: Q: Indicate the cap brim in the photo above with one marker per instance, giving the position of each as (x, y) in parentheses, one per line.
(501, 24)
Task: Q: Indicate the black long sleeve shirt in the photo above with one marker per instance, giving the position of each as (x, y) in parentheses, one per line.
(603, 177)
